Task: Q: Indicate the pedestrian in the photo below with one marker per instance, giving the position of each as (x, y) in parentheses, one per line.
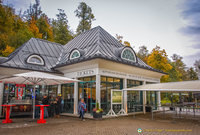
(57, 107)
(51, 107)
(82, 109)
(62, 105)
(45, 101)
(37, 109)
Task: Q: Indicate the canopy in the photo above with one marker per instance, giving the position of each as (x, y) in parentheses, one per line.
(37, 78)
(190, 86)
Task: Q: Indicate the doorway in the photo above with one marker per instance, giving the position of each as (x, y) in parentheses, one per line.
(87, 91)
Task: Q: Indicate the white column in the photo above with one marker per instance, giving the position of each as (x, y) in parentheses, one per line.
(59, 89)
(125, 94)
(76, 96)
(98, 89)
(1, 96)
(144, 99)
(158, 100)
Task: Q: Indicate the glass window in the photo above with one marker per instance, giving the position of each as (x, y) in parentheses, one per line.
(108, 83)
(128, 54)
(35, 59)
(74, 54)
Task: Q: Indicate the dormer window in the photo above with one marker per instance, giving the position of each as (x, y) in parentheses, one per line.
(75, 54)
(128, 54)
(35, 59)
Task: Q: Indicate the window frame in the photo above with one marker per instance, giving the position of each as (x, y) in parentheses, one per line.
(36, 56)
(71, 54)
(126, 48)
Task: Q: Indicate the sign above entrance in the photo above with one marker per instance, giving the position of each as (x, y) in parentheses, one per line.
(85, 73)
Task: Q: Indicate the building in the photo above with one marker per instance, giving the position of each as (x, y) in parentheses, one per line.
(96, 58)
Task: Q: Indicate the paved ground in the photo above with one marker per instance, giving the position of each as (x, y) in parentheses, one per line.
(115, 126)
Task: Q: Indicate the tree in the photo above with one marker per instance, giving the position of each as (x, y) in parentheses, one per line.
(61, 31)
(143, 53)
(158, 60)
(126, 43)
(119, 38)
(192, 74)
(13, 30)
(8, 50)
(84, 12)
(179, 66)
(45, 28)
(33, 12)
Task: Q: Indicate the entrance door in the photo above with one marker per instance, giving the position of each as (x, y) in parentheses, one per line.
(68, 96)
(87, 91)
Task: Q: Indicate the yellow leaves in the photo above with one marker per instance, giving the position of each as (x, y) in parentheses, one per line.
(126, 43)
(34, 29)
(8, 50)
(158, 60)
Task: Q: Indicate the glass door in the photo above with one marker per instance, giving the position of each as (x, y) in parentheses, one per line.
(68, 96)
(87, 91)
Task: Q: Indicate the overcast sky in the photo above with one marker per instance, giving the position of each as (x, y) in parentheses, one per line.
(166, 23)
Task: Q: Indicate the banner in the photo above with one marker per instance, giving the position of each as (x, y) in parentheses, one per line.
(117, 97)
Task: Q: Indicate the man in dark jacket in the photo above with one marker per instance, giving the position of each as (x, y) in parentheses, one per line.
(45, 101)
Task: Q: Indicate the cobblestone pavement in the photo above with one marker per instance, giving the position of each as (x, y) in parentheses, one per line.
(115, 126)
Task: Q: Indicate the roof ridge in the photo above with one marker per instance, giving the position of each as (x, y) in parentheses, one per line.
(47, 41)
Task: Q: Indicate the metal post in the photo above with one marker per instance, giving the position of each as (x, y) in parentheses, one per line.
(1, 96)
(34, 101)
(76, 96)
(98, 89)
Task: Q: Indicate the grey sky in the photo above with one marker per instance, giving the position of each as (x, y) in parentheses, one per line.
(141, 22)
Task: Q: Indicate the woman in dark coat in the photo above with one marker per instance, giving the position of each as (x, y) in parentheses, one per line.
(57, 107)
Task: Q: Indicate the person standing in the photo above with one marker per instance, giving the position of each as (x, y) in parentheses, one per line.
(45, 101)
(82, 109)
(57, 107)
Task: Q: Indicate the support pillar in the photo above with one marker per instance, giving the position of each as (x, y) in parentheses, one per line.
(1, 96)
(59, 89)
(76, 96)
(158, 100)
(125, 95)
(144, 99)
(98, 89)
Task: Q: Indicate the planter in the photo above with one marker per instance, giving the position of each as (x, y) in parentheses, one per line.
(97, 115)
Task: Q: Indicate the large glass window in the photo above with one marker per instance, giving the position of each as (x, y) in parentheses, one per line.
(87, 91)
(151, 97)
(68, 96)
(134, 98)
(108, 83)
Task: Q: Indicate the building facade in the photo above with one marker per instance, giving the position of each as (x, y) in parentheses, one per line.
(94, 57)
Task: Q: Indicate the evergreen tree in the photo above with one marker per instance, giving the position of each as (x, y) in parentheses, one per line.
(84, 12)
(61, 31)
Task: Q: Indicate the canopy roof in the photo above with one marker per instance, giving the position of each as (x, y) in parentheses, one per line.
(38, 78)
(171, 86)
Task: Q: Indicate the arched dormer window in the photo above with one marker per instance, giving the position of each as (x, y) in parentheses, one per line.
(74, 54)
(35, 59)
(128, 54)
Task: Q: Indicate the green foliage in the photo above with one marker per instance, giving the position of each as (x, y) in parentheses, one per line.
(61, 31)
(84, 12)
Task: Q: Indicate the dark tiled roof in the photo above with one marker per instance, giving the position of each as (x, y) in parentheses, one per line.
(94, 43)
(97, 43)
(49, 51)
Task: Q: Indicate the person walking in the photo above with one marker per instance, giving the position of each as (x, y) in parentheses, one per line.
(52, 107)
(82, 109)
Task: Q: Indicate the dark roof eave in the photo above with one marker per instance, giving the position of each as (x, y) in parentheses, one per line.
(55, 71)
(101, 57)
